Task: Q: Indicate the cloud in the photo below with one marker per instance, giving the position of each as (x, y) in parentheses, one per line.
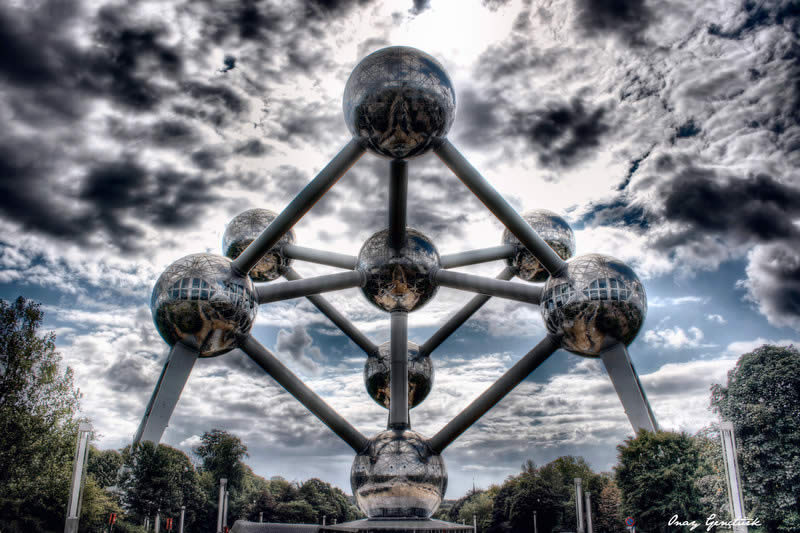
(773, 282)
(719, 319)
(676, 300)
(739, 348)
(675, 338)
(628, 19)
(299, 345)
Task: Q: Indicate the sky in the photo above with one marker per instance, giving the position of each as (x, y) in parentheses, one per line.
(667, 132)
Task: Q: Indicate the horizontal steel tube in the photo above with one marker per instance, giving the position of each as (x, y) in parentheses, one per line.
(286, 379)
(266, 292)
(472, 257)
(463, 314)
(495, 393)
(299, 206)
(493, 287)
(347, 327)
(500, 207)
(321, 257)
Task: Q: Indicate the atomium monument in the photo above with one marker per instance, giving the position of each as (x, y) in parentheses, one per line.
(399, 104)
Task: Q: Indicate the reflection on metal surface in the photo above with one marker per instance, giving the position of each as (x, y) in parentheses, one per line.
(243, 230)
(398, 476)
(595, 303)
(377, 371)
(556, 233)
(200, 300)
(398, 281)
(398, 102)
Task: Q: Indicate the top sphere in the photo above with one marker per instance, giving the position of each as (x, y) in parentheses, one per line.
(399, 102)
(243, 229)
(596, 302)
(556, 233)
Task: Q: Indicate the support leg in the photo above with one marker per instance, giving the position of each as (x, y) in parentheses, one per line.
(629, 389)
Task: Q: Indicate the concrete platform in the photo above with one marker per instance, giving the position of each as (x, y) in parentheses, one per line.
(396, 526)
(242, 526)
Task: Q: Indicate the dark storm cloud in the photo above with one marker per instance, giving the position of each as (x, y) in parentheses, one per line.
(253, 148)
(321, 9)
(756, 14)
(627, 19)
(774, 282)
(127, 375)
(419, 6)
(478, 119)
(299, 345)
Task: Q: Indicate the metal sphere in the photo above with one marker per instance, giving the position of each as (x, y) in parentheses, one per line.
(596, 302)
(243, 230)
(398, 281)
(556, 233)
(398, 475)
(399, 102)
(377, 372)
(202, 302)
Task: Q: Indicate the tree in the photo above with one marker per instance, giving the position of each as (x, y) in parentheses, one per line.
(608, 516)
(762, 399)
(103, 466)
(711, 481)
(221, 454)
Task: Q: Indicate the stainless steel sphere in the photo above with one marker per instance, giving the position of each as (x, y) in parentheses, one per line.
(200, 301)
(556, 233)
(243, 230)
(597, 302)
(398, 281)
(377, 372)
(399, 102)
(398, 476)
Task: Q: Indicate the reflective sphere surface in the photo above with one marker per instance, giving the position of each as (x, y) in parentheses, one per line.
(200, 301)
(556, 233)
(398, 282)
(399, 102)
(597, 302)
(398, 476)
(243, 230)
(377, 372)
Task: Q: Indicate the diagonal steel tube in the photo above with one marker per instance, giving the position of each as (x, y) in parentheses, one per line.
(321, 257)
(493, 287)
(629, 389)
(299, 206)
(398, 386)
(482, 255)
(266, 293)
(398, 200)
(286, 379)
(495, 393)
(463, 314)
(347, 327)
(499, 207)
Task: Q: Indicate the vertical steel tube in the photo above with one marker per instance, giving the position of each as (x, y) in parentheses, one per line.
(158, 521)
(299, 206)
(398, 199)
(588, 512)
(221, 502)
(579, 504)
(398, 386)
(183, 516)
(225, 511)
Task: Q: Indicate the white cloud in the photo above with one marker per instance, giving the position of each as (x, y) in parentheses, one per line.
(675, 338)
(719, 319)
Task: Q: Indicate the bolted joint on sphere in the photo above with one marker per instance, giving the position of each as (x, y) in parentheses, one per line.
(243, 229)
(399, 102)
(377, 375)
(398, 280)
(199, 300)
(398, 476)
(554, 230)
(596, 302)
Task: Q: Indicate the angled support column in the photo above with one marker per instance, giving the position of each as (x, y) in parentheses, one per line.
(301, 253)
(500, 207)
(180, 362)
(629, 388)
(482, 255)
(398, 385)
(527, 293)
(298, 207)
(347, 327)
(463, 314)
(268, 292)
(398, 198)
(286, 379)
(495, 393)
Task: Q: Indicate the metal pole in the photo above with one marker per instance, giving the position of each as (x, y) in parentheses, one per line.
(629, 388)
(261, 517)
(454, 322)
(323, 519)
(579, 503)
(531, 294)
(535, 526)
(398, 198)
(499, 207)
(398, 386)
(183, 516)
(347, 327)
(321, 257)
(275, 292)
(734, 482)
(474, 522)
(286, 379)
(166, 394)
(78, 477)
(495, 393)
(588, 510)
(473, 257)
(158, 521)
(299, 206)
(220, 502)
(225, 511)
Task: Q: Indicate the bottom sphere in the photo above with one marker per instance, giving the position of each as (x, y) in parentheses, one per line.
(398, 476)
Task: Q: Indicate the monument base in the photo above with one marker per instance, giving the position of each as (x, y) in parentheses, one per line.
(357, 526)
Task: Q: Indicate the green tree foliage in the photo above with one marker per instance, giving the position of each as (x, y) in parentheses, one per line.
(221, 454)
(657, 475)
(762, 399)
(711, 483)
(608, 516)
(104, 466)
